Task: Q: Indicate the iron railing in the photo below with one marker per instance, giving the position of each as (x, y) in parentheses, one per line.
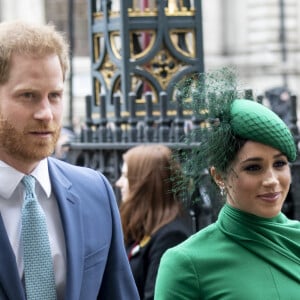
(103, 142)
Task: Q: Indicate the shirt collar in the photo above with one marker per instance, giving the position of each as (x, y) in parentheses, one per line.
(10, 178)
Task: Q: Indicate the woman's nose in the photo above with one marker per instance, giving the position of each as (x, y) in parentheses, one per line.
(270, 179)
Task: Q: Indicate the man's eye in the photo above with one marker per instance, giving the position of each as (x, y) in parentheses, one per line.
(28, 95)
(55, 96)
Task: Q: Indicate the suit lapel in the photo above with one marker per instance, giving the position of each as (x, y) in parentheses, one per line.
(69, 206)
(10, 281)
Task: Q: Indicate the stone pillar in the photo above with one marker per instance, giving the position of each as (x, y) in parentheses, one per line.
(29, 10)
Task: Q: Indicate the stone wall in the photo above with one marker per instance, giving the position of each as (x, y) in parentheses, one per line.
(245, 34)
(57, 12)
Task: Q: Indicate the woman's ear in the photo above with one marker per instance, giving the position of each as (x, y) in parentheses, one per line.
(217, 177)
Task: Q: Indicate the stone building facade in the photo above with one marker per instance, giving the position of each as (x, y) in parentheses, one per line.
(260, 38)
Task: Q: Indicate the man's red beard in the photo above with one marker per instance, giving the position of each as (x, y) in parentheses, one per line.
(23, 146)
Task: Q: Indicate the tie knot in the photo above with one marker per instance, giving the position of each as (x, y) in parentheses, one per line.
(29, 183)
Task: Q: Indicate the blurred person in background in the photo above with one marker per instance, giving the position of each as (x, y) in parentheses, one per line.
(151, 211)
(62, 145)
(279, 99)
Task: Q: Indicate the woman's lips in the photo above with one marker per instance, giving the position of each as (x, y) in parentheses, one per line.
(270, 196)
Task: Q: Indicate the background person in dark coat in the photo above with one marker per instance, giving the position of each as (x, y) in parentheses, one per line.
(280, 102)
(150, 211)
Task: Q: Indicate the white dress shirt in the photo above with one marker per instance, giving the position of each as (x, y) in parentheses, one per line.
(11, 200)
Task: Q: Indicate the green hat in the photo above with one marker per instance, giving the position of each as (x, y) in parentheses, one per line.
(227, 120)
(253, 121)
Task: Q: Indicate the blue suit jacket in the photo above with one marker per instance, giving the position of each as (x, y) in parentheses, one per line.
(97, 265)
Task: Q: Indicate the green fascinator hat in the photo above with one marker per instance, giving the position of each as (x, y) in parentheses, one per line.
(253, 121)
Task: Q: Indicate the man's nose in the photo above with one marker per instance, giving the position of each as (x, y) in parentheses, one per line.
(44, 111)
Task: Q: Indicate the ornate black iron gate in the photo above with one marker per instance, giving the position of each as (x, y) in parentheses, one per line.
(102, 144)
(140, 50)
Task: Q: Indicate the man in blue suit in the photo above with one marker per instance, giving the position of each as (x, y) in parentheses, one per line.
(86, 241)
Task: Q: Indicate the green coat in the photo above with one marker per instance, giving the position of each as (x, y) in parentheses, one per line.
(240, 257)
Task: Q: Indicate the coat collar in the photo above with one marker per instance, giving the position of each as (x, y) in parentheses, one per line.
(69, 207)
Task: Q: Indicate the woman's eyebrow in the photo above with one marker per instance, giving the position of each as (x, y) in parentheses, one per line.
(255, 159)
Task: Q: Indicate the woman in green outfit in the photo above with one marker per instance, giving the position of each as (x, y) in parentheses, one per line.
(252, 251)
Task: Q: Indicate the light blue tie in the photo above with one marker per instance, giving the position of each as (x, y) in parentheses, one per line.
(38, 265)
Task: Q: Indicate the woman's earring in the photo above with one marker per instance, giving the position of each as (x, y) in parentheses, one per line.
(222, 190)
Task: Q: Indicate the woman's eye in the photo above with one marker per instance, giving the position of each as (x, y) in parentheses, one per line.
(252, 168)
(280, 163)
